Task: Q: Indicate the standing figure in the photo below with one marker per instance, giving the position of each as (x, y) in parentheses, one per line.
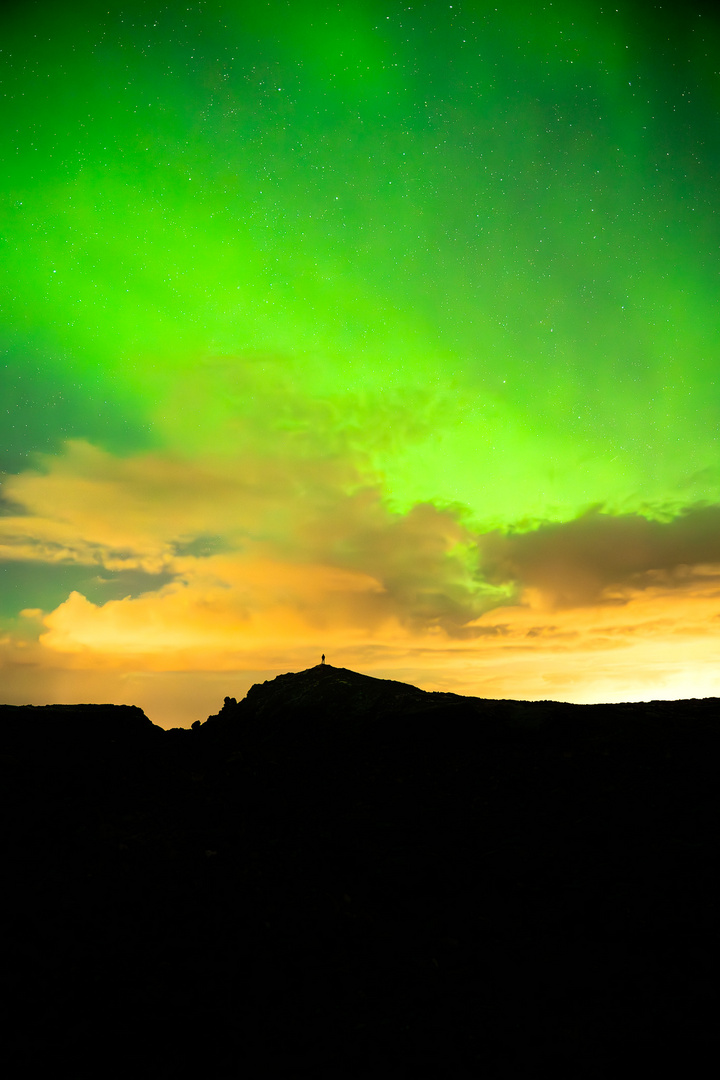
(323, 658)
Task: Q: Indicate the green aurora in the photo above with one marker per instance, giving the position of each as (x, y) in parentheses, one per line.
(471, 251)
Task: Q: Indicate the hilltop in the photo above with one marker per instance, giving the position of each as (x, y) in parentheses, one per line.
(355, 876)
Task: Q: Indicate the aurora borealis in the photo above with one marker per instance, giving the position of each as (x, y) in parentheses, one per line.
(383, 331)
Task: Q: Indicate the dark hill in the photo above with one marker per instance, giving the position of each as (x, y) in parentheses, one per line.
(351, 876)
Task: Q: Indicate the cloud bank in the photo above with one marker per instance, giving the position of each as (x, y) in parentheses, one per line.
(601, 558)
(268, 562)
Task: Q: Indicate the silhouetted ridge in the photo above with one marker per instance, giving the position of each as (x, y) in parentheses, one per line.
(350, 876)
(328, 714)
(339, 691)
(57, 728)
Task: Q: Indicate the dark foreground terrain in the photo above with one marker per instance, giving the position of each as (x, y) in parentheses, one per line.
(343, 876)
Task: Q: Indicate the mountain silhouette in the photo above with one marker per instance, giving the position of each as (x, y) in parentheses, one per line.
(356, 877)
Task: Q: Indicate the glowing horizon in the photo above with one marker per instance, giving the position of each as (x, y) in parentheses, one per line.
(377, 331)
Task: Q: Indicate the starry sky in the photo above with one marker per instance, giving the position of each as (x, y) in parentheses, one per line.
(383, 331)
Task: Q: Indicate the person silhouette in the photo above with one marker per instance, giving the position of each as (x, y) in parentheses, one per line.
(323, 658)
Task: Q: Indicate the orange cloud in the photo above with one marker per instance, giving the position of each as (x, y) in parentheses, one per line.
(269, 563)
(224, 611)
(218, 523)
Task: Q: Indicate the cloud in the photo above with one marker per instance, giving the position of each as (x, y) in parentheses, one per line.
(256, 549)
(268, 562)
(599, 558)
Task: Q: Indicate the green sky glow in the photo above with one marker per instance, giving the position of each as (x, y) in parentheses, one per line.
(499, 228)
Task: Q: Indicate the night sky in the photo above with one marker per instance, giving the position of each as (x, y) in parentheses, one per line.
(383, 331)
